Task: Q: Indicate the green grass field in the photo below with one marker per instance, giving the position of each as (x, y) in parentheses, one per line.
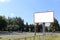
(38, 37)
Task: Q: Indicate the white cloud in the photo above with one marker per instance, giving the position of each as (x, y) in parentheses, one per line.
(3, 1)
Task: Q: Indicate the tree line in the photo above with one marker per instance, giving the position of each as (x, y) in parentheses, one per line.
(17, 24)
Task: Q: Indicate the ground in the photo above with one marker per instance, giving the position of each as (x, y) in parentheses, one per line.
(29, 36)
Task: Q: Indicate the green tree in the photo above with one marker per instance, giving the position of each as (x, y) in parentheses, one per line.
(31, 28)
(39, 27)
(16, 21)
(13, 27)
(46, 29)
(20, 22)
(26, 27)
(3, 23)
(9, 27)
(10, 21)
(59, 25)
(54, 26)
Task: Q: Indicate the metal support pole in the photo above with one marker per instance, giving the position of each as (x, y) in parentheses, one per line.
(43, 31)
(35, 30)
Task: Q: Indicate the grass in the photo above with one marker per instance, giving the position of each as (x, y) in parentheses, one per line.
(38, 37)
(55, 37)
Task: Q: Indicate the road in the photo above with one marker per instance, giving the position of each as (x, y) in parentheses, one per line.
(24, 34)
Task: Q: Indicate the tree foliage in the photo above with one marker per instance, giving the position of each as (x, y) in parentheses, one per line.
(54, 26)
(17, 24)
(3, 23)
(12, 27)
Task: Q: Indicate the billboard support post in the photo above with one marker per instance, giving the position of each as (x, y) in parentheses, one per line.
(43, 25)
(35, 30)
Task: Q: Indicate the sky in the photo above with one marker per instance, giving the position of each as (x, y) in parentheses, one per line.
(26, 8)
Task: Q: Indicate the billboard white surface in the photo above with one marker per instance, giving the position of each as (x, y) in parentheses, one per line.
(40, 17)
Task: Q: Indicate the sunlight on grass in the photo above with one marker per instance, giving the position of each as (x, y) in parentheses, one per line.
(55, 37)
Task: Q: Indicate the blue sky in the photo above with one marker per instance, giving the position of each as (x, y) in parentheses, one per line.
(26, 8)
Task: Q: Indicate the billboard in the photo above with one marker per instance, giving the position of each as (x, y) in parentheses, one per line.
(41, 17)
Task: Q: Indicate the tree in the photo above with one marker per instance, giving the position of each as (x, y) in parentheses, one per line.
(10, 21)
(46, 28)
(59, 25)
(54, 26)
(31, 27)
(39, 27)
(16, 21)
(3, 23)
(13, 27)
(9, 28)
(26, 27)
(20, 23)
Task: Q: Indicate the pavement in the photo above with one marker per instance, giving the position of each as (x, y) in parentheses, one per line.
(24, 34)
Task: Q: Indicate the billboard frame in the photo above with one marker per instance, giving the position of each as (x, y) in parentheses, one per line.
(42, 12)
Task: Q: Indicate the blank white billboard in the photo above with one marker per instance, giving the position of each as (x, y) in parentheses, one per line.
(40, 17)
